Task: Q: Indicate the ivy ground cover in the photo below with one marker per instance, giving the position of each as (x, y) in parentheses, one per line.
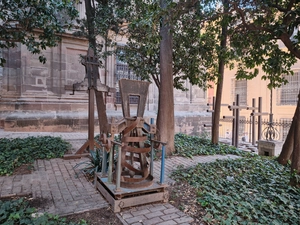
(249, 190)
(19, 151)
(18, 211)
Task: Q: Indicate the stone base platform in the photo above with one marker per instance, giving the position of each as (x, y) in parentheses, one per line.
(77, 121)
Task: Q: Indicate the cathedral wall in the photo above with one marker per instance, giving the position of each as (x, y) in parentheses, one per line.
(37, 97)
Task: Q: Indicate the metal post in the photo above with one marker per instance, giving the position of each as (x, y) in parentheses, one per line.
(162, 169)
(253, 122)
(152, 149)
(250, 129)
(237, 122)
(118, 172)
(259, 125)
(233, 125)
(110, 165)
(104, 159)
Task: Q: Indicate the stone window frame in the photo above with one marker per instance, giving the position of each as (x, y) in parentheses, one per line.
(122, 71)
(287, 94)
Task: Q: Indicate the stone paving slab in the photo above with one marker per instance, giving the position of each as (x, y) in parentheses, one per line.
(66, 193)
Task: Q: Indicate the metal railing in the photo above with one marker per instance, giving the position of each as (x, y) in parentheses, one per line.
(245, 128)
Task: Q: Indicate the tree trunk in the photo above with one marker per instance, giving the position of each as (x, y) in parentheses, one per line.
(165, 117)
(90, 17)
(288, 146)
(217, 106)
(295, 167)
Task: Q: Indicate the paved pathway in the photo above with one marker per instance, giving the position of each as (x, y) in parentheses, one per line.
(66, 193)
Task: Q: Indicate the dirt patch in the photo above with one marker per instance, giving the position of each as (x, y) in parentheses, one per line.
(37, 203)
(96, 217)
(40, 203)
(23, 169)
(184, 197)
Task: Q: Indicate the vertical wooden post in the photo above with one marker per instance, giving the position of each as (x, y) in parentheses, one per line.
(253, 122)
(91, 118)
(233, 125)
(237, 122)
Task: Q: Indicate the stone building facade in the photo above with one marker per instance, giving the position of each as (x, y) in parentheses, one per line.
(37, 97)
(281, 102)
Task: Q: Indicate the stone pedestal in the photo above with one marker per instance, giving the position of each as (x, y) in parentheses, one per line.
(269, 148)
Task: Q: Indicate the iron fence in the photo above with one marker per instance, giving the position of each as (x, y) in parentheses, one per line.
(282, 126)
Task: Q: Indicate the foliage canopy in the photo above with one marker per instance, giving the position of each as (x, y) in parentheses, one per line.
(36, 24)
(196, 28)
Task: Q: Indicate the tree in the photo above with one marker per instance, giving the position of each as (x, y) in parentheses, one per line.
(36, 24)
(104, 20)
(166, 90)
(221, 68)
(163, 46)
(263, 50)
(263, 24)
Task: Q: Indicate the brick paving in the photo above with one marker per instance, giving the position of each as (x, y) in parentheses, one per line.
(159, 214)
(55, 181)
(65, 192)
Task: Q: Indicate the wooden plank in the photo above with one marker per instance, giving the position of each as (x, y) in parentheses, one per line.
(118, 204)
(107, 195)
(140, 200)
(130, 192)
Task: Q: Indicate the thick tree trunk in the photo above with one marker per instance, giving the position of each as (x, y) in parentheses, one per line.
(90, 17)
(288, 146)
(165, 117)
(295, 167)
(217, 107)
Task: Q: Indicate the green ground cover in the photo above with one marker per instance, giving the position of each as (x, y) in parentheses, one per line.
(249, 190)
(20, 151)
(17, 211)
(189, 146)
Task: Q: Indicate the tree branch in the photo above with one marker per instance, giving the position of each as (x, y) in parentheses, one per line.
(285, 38)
